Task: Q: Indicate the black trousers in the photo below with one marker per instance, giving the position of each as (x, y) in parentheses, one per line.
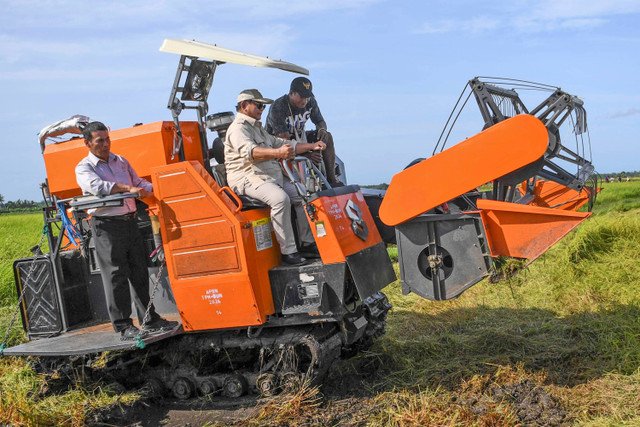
(122, 260)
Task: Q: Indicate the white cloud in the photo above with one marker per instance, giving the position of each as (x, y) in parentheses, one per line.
(74, 14)
(328, 64)
(579, 23)
(534, 16)
(629, 112)
(24, 57)
(13, 48)
(434, 28)
(279, 9)
(475, 25)
(268, 40)
(63, 29)
(570, 9)
(91, 75)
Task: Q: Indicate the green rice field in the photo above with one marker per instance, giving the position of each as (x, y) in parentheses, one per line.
(556, 343)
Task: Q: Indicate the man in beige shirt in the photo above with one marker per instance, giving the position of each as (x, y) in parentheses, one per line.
(251, 160)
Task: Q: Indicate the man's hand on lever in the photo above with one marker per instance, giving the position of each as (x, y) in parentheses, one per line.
(286, 152)
(123, 188)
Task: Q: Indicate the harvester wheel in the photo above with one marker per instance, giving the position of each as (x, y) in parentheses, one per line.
(183, 388)
(290, 382)
(154, 387)
(207, 387)
(234, 386)
(267, 384)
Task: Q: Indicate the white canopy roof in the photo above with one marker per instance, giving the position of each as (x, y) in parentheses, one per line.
(220, 54)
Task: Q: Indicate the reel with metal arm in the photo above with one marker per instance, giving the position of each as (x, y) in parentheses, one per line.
(498, 100)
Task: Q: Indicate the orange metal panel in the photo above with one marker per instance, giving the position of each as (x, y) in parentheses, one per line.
(332, 228)
(205, 261)
(524, 231)
(200, 234)
(550, 194)
(503, 148)
(145, 146)
(218, 276)
(193, 207)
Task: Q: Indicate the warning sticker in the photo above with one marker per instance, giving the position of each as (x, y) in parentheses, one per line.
(262, 233)
(309, 291)
(320, 230)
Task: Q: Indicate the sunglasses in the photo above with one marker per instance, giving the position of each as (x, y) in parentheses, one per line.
(260, 105)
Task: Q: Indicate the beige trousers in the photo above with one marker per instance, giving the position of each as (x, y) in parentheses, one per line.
(280, 200)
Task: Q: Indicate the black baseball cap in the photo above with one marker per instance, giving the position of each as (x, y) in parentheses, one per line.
(302, 86)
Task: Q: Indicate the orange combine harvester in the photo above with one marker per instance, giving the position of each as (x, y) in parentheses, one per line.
(248, 324)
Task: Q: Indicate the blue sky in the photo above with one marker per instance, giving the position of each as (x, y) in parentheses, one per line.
(386, 73)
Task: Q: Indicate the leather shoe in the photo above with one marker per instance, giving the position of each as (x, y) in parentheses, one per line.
(131, 332)
(160, 324)
(310, 250)
(293, 259)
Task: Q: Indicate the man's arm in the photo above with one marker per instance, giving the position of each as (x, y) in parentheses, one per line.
(303, 147)
(124, 188)
(90, 182)
(261, 154)
(316, 115)
(322, 125)
(318, 120)
(140, 185)
(241, 140)
(276, 123)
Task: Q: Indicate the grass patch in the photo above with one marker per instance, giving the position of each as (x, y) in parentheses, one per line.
(559, 341)
(26, 398)
(18, 233)
(618, 197)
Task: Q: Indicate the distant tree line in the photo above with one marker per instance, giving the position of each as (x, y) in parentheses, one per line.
(622, 174)
(19, 205)
(382, 186)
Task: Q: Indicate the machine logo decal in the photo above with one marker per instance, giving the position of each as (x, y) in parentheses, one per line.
(358, 226)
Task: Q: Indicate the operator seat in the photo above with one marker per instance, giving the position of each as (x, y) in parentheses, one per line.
(219, 173)
(219, 123)
(217, 150)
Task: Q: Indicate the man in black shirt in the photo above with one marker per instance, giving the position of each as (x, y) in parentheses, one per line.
(288, 116)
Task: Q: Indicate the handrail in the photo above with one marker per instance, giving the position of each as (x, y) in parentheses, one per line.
(233, 196)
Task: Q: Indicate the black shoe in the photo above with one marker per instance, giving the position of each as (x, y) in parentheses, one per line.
(336, 184)
(310, 250)
(160, 324)
(293, 259)
(131, 332)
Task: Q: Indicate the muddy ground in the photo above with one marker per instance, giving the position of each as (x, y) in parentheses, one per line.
(344, 400)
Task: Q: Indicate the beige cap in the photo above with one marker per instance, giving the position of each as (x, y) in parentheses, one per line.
(253, 95)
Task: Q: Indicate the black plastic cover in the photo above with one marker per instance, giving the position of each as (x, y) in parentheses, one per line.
(371, 269)
(40, 309)
(309, 288)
